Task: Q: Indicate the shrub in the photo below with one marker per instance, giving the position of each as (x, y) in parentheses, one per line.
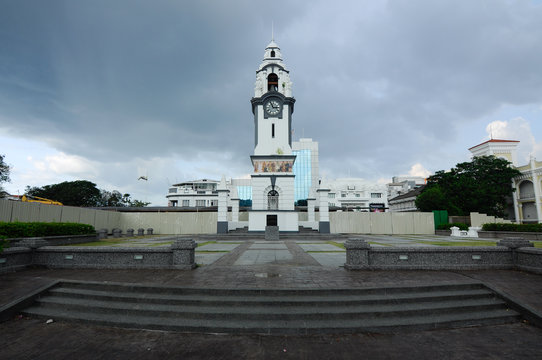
(39, 229)
(461, 226)
(512, 227)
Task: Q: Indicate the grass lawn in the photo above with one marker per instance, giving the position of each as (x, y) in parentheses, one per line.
(101, 243)
(337, 244)
(458, 243)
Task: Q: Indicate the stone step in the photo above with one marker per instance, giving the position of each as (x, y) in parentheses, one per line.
(270, 313)
(379, 325)
(277, 311)
(159, 289)
(270, 300)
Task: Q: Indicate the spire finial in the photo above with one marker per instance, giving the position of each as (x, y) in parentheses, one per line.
(272, 31)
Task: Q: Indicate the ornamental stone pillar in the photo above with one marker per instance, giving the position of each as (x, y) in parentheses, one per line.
(357, 254)
(184, 253)
(222, 222)
(323, 224)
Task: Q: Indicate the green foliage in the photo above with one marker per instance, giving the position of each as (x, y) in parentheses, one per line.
(4, 171)
(434, 198)
(73, 193)
(461, 226)
(481, 185)
(84, 193)
(512, 227)
(116, 199)
(39, 229)
(3, 243)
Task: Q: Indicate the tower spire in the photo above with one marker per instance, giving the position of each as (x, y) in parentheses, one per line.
(272, 31)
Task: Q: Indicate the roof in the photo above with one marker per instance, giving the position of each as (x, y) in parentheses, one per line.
(495, 141)
(412, 193)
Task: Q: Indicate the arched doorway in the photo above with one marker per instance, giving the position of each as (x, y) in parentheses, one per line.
(273, 200)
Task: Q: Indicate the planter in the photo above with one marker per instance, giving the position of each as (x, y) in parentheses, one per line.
(59, 240)
(507, 234)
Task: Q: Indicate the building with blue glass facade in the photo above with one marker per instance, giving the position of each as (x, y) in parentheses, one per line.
(305, 167)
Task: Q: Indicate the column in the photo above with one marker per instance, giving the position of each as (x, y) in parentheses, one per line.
(222, 222)
(323, 224)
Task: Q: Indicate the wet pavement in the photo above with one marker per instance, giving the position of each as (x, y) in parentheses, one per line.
(260, 264)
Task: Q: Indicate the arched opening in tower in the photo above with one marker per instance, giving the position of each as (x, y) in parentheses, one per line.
(272, 82)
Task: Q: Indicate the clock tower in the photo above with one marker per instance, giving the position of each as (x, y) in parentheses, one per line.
(273, 178)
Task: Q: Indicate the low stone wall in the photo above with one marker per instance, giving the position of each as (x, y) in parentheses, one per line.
(15, 258)
(58, 240)
(513, 253)
(180, 255)
(507, 234)
(529, 259)
(440, 258)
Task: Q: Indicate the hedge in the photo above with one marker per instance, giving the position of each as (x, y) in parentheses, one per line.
(512, 227)
(461, 226)
(39, 229)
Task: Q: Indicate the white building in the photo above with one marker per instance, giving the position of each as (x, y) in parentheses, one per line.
(527, 199)
(357, 194)
(196, 193)
(403, 184)
(406, 201)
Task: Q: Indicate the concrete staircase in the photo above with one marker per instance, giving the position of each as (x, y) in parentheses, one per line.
(281, 311)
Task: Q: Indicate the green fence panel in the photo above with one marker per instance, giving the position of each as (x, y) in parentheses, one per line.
(441, 217)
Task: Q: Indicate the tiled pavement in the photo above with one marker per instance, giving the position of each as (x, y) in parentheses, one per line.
(285, 264)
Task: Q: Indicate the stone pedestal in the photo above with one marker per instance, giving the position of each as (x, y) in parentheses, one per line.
(357, 254)
(184, 254)
(102, 234)
(272, 233)
(130, 232)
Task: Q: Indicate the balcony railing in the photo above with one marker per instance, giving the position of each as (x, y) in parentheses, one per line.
(527, 195)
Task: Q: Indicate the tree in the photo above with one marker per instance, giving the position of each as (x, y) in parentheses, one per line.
(4, 172)
(74, 193)
(482, 185)
(84, 193)
(434, 199)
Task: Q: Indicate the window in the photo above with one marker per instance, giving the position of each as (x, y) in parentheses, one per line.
(343, 195)
(273, 130)
(200, 203)
(186, 202)
(273, 200)
(331, 195)
(173, 202)
(376, 195)
(357, 195)
(172, 190)
(331, 204)
(201, 192)
(272, 82)
(272, 53)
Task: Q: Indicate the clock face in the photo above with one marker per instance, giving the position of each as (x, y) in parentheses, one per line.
(272, 107)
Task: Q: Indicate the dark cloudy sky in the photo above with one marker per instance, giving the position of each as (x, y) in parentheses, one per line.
(111, 90)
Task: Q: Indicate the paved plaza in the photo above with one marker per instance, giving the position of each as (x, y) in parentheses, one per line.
(254, 264)
(315, 252)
